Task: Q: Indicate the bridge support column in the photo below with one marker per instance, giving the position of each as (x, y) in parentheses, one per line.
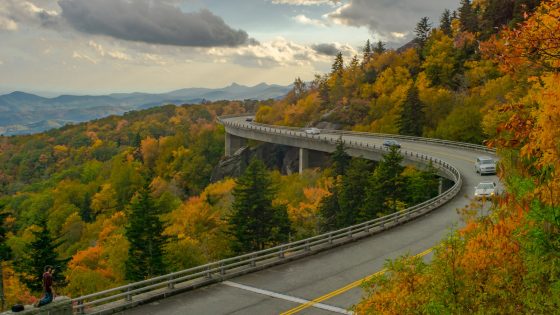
(303, 159)
(234, 143)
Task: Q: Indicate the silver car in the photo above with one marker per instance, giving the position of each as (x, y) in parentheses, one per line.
(312, 131)
(485, 165)
(485, 190)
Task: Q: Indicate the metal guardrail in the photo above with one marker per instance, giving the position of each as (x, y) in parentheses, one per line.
(443, 142)
(115, 299)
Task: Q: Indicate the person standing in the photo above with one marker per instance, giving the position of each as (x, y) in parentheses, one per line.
(47, 286)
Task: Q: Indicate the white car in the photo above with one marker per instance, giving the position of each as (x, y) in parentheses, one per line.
(312, 131)
(485, 190)
(485, 165)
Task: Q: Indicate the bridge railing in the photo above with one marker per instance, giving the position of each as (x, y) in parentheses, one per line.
(476, 147)
(115, 299)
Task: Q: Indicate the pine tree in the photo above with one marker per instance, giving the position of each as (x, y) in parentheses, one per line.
(467, 17)
(145, 235)
(367, 52)
(340, 159)
(338, 65)
(422, 31)
(412, 115)
(255, 223)
(329, 208)
(386, 185)
(39, 253)
(445, 22)
(379, 48)
(352, 192)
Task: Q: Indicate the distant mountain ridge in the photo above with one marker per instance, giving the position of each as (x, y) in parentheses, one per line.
(25, 113)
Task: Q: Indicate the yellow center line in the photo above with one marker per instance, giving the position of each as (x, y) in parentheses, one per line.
(343, 289)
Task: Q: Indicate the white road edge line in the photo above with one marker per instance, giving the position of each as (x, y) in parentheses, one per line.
(287, 297)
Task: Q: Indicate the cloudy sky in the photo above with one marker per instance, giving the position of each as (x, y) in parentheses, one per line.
(104, 46)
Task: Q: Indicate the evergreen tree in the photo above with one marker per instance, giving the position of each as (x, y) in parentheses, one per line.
(370, 74)
(329, 208)
(338, 65)
(412, 115)
(379, 48)
(367, 52)
(39, 253)
(445, 22)
(340, 159)
(352, 192)
(386, 185)
(467, 17)
(145, 235)
(255, 223)
(422, 31)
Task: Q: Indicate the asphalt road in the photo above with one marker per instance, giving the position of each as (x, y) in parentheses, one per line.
(283, 288)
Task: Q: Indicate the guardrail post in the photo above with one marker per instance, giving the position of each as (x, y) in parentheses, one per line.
(350, 232)
(170, 284)
(281, 253)
(80, 307)
(307, 248)
(222, 269)
(253, 262)
(128, 296)
(208, 274)
(330, 238)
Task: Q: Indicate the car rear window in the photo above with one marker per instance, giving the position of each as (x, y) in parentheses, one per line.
(485, 186)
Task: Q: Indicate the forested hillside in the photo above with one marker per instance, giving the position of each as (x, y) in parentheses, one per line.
(441, 86)
(507, 262)
(67, 195)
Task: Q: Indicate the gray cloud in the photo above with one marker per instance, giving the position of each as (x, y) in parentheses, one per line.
(156, 22)
(391, 19)
(326, 49)
(332, 49)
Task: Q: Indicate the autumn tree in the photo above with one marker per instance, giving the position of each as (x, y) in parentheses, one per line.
(255, 222)
(145, 234)
(299, 88)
